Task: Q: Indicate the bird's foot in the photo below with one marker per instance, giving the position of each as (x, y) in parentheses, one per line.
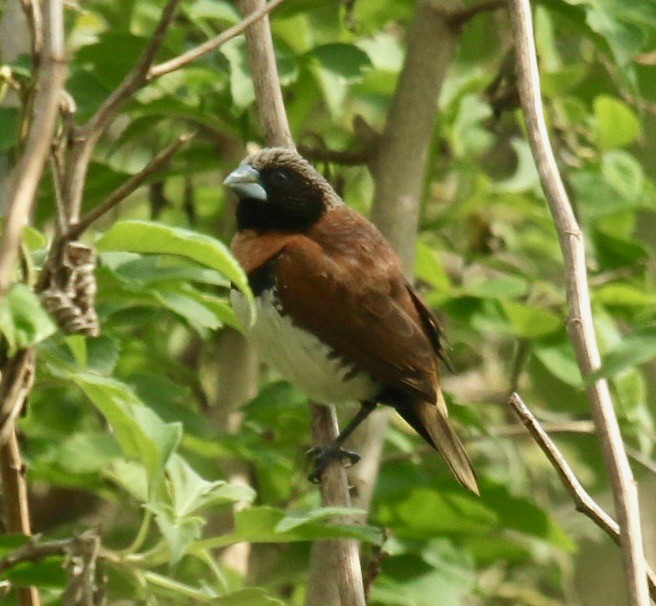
(323, 455)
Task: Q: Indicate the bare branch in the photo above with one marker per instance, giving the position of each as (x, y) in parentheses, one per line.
(341, 555)
(202, 49)
(583, 501)
(127, 188)
(580, 324)
(27, 172)
(264, 71)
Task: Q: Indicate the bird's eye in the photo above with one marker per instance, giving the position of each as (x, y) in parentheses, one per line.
(280, 176)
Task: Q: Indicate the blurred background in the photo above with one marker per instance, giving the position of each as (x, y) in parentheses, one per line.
(171, 388)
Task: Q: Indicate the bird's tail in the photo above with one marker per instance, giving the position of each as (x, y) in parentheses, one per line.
(430, 422)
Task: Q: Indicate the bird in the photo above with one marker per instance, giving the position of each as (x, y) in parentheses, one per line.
(335, 315)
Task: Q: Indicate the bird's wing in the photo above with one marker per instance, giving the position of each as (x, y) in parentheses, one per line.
(355, 309)
(431, 327)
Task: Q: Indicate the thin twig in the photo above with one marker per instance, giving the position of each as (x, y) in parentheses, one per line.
(583, 501)
(127, 188)
(580, 324)
(202, 49)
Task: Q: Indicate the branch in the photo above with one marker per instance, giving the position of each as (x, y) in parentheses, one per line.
(118, 195)
(341, 555)
(580, 324)
(583, 501)
(264, 71)
(27, 172)
(202, 49)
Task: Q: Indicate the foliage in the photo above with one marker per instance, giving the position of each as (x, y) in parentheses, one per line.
(130, 425)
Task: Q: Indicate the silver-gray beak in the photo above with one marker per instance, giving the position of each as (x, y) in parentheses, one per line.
(245, 182)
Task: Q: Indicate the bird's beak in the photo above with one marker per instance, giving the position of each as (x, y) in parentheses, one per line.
(245, 182)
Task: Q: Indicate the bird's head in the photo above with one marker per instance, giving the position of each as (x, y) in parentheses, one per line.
(279, 190)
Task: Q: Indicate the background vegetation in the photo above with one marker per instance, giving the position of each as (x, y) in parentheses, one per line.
(132, 435)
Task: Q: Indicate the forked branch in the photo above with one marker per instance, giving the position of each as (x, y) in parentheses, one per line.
(582, 500)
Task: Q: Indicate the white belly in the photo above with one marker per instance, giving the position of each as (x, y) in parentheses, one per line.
(300, 357)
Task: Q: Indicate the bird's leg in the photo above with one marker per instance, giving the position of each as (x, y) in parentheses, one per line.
(323, 455)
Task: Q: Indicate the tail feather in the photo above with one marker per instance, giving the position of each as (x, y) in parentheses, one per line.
(430, 422)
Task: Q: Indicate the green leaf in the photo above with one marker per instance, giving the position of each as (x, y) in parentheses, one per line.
(620, 294)
(636, 348)
(508, 287)
(146, 270)
(530, 322)
(521, 515)
(624, 174)
(192, 493)
(559, 359)
(47, 573)
(295, 520)
(259, 525)
(11, 542)
(468, 136)
(222, 12)
(343, 60)
(178, 532)
(429, 269)
(9, 127)
(88, 452)
(241, 83)
(141, 434)
(422, 512)
(617, 124)
(23, 321)
(156, 238)
(526, 175)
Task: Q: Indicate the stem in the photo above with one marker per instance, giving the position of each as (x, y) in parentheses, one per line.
(202, 49)
(580, 324)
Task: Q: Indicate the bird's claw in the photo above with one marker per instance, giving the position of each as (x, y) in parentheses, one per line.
(323, 455)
